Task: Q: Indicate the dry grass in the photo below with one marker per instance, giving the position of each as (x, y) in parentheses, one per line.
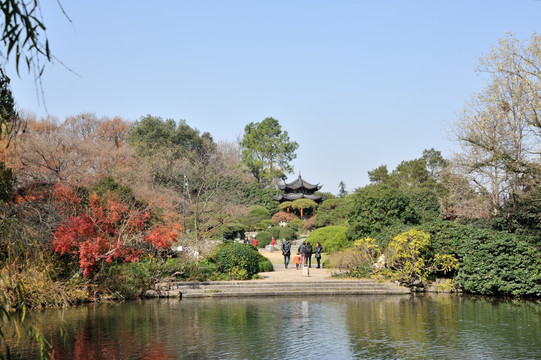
(31, 286)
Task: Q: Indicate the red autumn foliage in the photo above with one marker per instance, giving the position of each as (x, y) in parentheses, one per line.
(107, 229)
(162, 237)
(68, 200)
(70, 234)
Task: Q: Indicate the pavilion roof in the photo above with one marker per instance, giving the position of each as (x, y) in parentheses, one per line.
(299, 183)
(296, 196)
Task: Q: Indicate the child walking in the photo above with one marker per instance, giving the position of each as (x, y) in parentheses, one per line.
(297, 260)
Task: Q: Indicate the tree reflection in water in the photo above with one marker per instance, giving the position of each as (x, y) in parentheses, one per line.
(367, 327)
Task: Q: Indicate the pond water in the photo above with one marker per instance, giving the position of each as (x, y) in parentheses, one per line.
(329, 327)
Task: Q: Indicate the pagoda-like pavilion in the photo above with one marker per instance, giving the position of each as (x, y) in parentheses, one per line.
(298, 189)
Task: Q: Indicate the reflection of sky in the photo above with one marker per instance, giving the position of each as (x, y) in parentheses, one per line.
(318, 329)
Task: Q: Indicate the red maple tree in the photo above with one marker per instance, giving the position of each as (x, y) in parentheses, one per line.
(105, 229)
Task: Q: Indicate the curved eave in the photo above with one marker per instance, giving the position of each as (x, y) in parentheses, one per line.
(316, 198)
(293, 197)
(299, 183)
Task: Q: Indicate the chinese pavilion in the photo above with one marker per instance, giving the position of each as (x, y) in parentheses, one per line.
(298, 189)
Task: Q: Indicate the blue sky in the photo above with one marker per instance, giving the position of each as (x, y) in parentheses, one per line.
(357, 84)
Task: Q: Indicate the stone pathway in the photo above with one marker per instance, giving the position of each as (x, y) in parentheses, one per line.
(280, 273)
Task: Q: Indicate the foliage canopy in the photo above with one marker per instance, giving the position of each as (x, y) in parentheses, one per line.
(267, 150)
(375, 207)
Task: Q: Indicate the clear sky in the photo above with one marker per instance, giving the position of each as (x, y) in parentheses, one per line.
(357, 84)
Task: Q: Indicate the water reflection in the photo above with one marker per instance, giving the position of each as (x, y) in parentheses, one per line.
(363, 327)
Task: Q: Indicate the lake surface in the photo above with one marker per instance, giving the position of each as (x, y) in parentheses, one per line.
(348, 327)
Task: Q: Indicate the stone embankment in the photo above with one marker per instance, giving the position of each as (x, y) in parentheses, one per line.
(266, 288)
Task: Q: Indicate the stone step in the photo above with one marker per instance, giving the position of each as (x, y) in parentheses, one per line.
(263, 292)
(244, 284)
(285, 286)
(256, 288)
(283, 289)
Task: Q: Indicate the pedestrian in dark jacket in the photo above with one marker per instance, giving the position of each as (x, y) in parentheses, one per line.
(308, 254)
(301, 250)
(319, 249)
(286, 251)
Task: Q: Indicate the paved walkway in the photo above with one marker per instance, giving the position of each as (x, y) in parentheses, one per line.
(291, 274)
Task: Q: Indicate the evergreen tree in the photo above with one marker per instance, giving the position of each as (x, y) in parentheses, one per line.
(267, 150)
(342, 190)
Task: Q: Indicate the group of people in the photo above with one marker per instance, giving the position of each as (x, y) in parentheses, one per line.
(304, 254)
(252, 241)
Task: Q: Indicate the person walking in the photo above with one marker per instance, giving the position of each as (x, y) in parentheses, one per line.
(319, 248)
(272, 244)
(286, 251)
(301, 250)
(297, 260)
(308, 254)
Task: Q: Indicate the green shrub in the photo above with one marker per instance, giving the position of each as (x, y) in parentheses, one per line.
(203, 271)
(263, 225)
(451, 238)
(264, 263)
(500, 263)
(108, 184)
(232, 231)
(408, 260)
(296, 224)
(265, 266)
(378, 206)
(287, 233)
(425, 202)
(362, 271)
(332, 238)
(255, 193)
(446, 238)
(384, 237)
(129, 279)
(491, 262)
(185, 270)
(275, 232)
(263, 239)
(361, 255)
(255, 215)
(333, 211)
(238, 261)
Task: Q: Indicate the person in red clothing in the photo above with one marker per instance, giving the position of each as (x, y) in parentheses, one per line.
(255, 242)
(272, 244)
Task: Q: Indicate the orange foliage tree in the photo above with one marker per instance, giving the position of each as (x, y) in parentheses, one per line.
(78, 151)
